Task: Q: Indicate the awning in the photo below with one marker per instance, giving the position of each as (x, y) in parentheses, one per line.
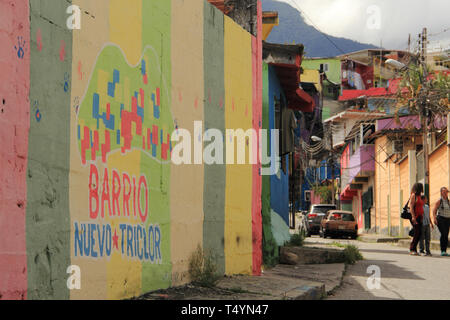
(302, 101)
(355, 94)
(348, 193)
(287, 60)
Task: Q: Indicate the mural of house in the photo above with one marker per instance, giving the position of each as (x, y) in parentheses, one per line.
(89, 120)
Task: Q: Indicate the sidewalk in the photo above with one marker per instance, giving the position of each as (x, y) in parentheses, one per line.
(401, 242)
(380, 238)
(434, 244)
(284, 282)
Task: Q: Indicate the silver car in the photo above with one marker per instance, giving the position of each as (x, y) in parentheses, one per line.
(314, 218)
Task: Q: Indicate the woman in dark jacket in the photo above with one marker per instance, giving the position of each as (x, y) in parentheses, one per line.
(416, 208)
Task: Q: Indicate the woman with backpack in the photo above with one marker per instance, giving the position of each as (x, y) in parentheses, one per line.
(441, 216)
(416, 208)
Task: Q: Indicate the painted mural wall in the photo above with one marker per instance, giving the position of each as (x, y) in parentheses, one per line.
(88, 178)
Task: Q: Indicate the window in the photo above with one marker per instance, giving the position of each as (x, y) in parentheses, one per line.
(308, 196)
(348, 217)
(324, 67)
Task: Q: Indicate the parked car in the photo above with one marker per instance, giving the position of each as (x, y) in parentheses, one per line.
(316, 213)
(339, 223)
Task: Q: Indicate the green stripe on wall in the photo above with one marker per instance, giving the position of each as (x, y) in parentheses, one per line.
(214, 183)
(156, 32)
(270, 249)
(48, 216)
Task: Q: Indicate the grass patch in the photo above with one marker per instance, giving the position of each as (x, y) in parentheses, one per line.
(297, 240)
(203, 268)
(352, 254)
(337, 244)
(237, 290)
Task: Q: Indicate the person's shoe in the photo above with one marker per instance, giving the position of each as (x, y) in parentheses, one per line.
(444, 254)
(429, 254)
(422, 252)
(413, 253)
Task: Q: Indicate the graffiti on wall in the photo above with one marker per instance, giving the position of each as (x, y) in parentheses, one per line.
(125, 110)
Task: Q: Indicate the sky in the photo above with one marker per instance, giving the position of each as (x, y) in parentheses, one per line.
(386, 22)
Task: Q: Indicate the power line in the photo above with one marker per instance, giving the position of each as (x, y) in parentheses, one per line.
(323, 33)
(436, 34)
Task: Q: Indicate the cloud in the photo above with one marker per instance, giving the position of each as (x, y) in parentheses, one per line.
(373, 21)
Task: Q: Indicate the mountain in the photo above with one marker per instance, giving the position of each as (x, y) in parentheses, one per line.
(293, 28)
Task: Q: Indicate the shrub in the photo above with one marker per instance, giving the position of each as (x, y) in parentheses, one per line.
(203, 268)
(296, 240)
(352, 254)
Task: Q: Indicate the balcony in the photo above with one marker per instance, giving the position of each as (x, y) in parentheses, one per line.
(360, 167)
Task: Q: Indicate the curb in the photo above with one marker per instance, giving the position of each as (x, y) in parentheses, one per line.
(434, 245)
(381, 240)
(341, 282)
(315, 292)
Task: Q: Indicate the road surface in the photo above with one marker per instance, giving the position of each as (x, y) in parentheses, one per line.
(402, 276)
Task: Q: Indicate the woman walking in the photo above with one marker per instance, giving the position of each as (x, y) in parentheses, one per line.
(441, 216)
(416, 208)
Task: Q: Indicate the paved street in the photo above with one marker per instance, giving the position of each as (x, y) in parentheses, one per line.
(402, 276)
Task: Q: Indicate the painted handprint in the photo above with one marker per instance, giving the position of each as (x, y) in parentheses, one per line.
(20, 48)
(39, 40)
(37, 114)
(66, 82)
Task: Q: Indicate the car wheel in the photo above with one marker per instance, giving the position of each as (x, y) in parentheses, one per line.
(354, 236)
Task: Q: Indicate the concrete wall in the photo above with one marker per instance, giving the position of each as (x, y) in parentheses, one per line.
(14, 125)
(88, 178)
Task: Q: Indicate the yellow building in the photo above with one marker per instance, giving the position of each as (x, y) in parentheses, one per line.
(399, 165)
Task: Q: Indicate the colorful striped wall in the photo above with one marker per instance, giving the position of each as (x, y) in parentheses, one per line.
(86, 119)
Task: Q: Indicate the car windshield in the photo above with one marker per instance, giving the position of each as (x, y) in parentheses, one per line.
(323, 209)
(335, 216)
(348, 217)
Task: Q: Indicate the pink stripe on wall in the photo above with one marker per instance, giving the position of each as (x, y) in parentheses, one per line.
(257, 124)
(14, 126)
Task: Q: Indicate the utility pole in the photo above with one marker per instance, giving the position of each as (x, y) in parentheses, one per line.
(333, 193)
(424, 115)
(409, 43)
(381, 63)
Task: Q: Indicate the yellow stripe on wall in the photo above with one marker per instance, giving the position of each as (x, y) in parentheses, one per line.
(238, 114)
(87, 43)
(125, 21)
(186, 201)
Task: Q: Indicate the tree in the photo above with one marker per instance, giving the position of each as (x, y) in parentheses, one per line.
(422, 90)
